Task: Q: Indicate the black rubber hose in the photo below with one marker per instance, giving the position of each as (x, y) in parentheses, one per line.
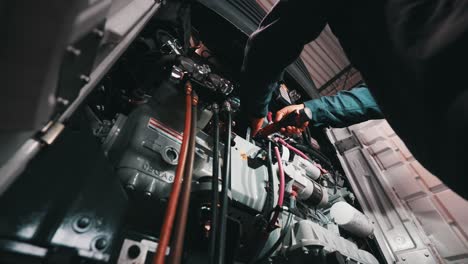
(184, 198)
(315, 154)
(221, 238)
(215, 185)
(270, 190)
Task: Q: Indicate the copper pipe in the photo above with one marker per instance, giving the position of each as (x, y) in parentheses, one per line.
(177, 245)
(166, 228)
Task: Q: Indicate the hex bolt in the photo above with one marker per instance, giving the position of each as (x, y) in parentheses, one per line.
(101, 243)
(85, 78)
(99, 33)
(62, 101)
(83, 222)
(403, 258)
(74, 51)
(133, 252)
(426, 254)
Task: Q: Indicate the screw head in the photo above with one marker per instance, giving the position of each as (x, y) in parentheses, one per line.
(99, 33)
(101, 243)
(74, 51)
(62, 101)
(85, 78)
(83, 222)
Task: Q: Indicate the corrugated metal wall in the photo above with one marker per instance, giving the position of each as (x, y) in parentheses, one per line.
(325, 61)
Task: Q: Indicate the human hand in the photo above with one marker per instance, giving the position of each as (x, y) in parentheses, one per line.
(290, 130)
(256, 124)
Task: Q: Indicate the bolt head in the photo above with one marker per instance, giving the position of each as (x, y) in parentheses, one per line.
(101, 243)
(83, 222)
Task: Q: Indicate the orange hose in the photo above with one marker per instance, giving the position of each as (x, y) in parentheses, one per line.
(166, 228)
(177, 243)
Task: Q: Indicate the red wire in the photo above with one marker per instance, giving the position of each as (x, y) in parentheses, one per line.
(166, 229)
(300, 153)
(293, 149)
(270, 117)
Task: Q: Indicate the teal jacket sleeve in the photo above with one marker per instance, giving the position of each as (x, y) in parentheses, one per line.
(345, 108)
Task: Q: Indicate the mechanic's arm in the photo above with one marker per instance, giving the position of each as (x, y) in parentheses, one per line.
(276, 44)
(344, 109)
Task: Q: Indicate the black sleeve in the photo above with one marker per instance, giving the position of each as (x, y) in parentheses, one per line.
(428, 35)
(277, 43)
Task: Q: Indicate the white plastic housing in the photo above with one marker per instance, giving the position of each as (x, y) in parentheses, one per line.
(350, 219)
(311, 170)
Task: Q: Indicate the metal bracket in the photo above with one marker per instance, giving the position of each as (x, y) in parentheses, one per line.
(346, 144)
(51, 132)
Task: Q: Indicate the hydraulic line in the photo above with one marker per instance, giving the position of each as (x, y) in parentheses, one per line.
(221, 236)
(166, 228)
(293, 149)
(215, 185)
(177, 244)
(315, 154)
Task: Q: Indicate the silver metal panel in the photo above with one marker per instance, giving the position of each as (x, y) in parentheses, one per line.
(123, 21)
(89, 18)
(18, 162)
(417, 218)
(108, 61)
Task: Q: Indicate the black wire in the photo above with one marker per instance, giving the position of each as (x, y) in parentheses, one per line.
(315, 154)
(270, 179)
(221, 241)
(215, 185)
(278, 242)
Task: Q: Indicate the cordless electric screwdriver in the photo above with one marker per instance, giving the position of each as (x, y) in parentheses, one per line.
(296, 118)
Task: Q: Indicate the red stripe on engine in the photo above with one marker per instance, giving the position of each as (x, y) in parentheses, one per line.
(168, 130)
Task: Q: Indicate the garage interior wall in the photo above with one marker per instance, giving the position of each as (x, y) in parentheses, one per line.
(325, 60)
